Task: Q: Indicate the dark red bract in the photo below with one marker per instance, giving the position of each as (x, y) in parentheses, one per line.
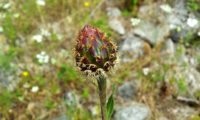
(94, 50)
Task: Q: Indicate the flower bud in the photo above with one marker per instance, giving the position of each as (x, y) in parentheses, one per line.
(94, 50)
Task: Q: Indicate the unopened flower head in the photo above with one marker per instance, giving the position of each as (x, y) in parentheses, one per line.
(94, 51)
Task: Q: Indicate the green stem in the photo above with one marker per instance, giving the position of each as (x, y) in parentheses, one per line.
(102, 95)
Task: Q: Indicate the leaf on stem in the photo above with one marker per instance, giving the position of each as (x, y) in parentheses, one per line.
(110, 107)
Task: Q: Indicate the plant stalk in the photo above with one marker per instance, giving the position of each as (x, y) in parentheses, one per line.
(102, 95)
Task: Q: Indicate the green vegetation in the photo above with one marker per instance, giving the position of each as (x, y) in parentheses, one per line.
(193, 5)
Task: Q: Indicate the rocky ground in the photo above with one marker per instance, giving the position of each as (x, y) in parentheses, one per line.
(157, 75)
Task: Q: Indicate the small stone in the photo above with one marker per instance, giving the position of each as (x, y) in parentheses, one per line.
(154, 34)
(117, 26)
(133, 112)
(132, 48)
(127, 90)
(183, 112)
(169, 47)
(113, 12)
(8, 80)
(71, 98)
(192, 79)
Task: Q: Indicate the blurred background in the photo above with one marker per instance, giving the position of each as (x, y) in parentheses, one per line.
(157, 76)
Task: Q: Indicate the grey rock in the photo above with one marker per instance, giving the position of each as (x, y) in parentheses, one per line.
(193, 80)
(117, 26)
(127, 90)
(113, 12)
(152, 32)
(7, 80)
(190, 78)
(191, 60)
(115, 23)
(179, 14)
(8, 71)
(153, 26)
(169, 47)
(71, 99)
(179, 17)
(133, 112)
(131, 48)
(183, 113)
(156, 26)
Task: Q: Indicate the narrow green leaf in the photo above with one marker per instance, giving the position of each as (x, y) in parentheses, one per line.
(110, 107)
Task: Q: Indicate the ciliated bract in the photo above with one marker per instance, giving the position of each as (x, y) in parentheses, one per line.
(94, 50)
